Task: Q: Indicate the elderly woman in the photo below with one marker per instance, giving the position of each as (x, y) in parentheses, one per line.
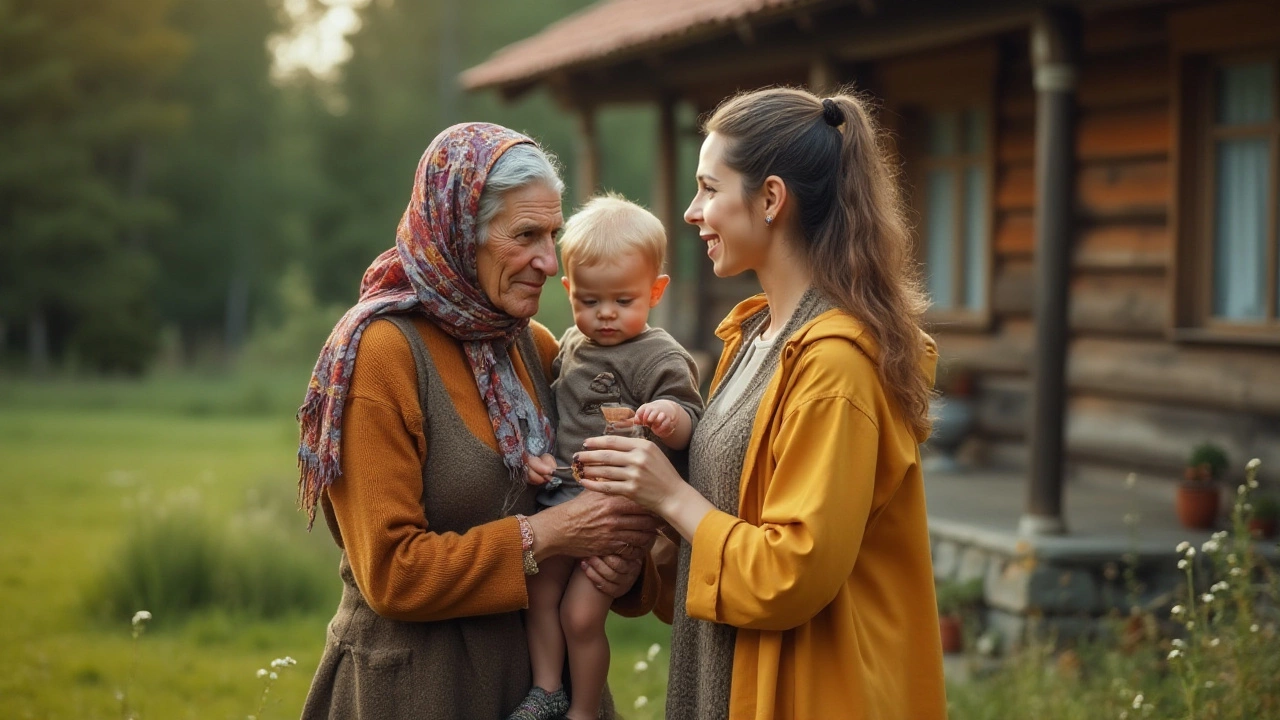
(423, 407)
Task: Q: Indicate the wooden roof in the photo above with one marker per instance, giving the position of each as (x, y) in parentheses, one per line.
(616, 28)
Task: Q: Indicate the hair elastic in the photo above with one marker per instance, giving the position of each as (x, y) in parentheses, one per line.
(832, 113)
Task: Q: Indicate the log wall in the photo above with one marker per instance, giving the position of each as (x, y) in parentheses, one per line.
(1138, 400)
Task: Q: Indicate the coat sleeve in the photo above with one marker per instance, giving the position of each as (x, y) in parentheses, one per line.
(779, 574)
(404, 569)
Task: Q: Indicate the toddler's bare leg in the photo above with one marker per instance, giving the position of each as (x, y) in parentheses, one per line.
(546, 638)
(582, 614)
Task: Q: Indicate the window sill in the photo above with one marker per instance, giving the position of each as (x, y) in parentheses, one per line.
(1259, 336)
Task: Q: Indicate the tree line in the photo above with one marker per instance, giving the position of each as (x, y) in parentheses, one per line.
(161, 188)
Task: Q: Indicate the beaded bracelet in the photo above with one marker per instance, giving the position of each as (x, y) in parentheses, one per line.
(526, 544)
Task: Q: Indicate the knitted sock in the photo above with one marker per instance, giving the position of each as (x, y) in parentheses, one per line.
(541, 705)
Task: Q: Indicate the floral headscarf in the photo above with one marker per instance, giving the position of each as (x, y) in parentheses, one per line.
(431, 270)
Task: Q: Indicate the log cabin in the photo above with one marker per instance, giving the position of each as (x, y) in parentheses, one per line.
(1094, 188)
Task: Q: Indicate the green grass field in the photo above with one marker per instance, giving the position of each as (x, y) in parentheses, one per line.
(81, 464)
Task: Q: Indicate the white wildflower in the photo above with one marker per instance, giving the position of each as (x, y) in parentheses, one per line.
(1175, 654)
(1191, 552)
(1207, 598)
(1178, 643)
(1215, 642)
(1253, 628)
(272, 675)
(1221, 586)
(641, 702)
(1232, 559)
(1208, 684)
(654, 649)
(1253, 484)
(1252, 465)
(1177, 610)
(1210, 546)
(1137, 702)
(1124, 714)
(1236, 572)
(1182, 564)
(1241, 490)
(641, 666)
(262, 672)
(1220, 535)
(140, 617)
(283, 662)
(1191, 624)
(1183, 546)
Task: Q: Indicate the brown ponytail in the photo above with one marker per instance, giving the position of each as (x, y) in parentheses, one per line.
(830, 155)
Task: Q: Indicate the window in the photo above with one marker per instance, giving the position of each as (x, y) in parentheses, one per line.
(952, 186)
(939, 110)
(1227, 276)
(1241, 145)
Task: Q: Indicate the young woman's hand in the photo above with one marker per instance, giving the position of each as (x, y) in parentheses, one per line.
(631, 467)
(638, 470)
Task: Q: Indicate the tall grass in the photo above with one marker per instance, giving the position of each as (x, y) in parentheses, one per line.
(178, 561)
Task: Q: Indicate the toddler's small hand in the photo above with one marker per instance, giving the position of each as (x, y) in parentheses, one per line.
(659, 416)
(538, 469)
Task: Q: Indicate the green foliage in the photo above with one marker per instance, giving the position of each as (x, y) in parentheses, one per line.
(958, 598)
(1210, 459)
(80, 100)
(1266, 506)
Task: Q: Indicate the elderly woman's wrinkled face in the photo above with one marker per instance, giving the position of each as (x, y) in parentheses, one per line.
(514, 262)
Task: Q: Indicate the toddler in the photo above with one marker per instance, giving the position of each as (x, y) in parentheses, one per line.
(613, 253)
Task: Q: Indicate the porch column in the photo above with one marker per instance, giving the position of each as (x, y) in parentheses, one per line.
(1055, 41)
(666, 206)
(587, 153)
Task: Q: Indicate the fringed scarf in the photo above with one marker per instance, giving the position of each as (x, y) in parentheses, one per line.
(431, 270)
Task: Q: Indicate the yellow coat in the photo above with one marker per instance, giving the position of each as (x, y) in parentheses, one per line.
(826, 570)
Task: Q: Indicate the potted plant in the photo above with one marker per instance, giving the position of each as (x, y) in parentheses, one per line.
(1198, 495)
(955, 601)
(1266, 515)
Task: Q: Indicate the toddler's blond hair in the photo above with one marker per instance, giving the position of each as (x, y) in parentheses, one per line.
(608, 226)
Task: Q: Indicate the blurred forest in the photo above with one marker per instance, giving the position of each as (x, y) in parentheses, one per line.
(169, 196)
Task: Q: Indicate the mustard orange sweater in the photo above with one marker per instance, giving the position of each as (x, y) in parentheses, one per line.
(404, 569)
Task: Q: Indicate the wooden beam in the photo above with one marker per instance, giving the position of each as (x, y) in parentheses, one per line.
(587, 153)
(824, 75)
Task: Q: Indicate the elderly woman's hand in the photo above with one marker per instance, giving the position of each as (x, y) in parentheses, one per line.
(612, 574)
(538, 468)
(593, 524)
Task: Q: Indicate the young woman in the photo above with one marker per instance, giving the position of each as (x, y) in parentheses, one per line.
(803, 587)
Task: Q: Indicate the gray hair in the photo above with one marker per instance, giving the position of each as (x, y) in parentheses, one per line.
(519, 166)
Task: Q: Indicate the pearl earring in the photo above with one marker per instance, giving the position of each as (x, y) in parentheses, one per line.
(768, 219)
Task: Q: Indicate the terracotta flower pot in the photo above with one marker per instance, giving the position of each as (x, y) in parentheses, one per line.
(952, 634)
(1197, 504)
